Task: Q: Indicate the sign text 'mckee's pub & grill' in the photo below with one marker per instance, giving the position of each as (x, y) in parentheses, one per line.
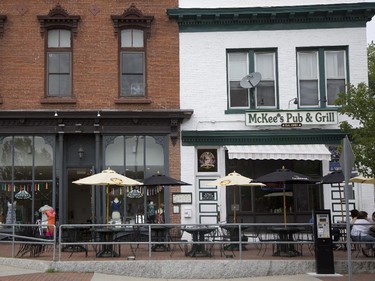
(285, 118)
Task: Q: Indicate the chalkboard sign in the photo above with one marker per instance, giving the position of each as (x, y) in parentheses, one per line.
(207, 195)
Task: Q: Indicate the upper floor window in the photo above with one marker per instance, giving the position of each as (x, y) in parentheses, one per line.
(2, 20)
(321, 76)
(59, 63)
(59, 27)
(241, 64)
(134, 29)
(132, 59)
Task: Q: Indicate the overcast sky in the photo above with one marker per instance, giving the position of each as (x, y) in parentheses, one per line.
(371, 30)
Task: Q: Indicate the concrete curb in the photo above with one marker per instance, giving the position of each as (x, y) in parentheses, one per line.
(186, 269)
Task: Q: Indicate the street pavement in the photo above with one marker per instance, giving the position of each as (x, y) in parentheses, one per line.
(10, 273)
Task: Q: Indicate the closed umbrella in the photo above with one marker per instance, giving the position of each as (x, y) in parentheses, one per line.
(285, 176)
(106, 178)
(234, 179)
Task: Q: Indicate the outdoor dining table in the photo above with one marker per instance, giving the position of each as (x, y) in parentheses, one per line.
(107, 235)
(198, 235)
(234, 236)
(286, 234)
(73, 234)
(159, 234)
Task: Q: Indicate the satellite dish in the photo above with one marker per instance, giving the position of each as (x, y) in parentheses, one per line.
(251, 80)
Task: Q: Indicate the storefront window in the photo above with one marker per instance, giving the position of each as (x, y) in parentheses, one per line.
(26, 177)
(136, 157)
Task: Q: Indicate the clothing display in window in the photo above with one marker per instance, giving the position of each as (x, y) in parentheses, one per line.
(44, 220)
(116, 207)
(11, 214)
(51, 217)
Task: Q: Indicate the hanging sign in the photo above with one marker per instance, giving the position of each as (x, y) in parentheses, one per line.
(293, 118)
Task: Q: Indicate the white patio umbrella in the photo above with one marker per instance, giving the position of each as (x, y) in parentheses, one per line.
(361, 179)
(106, 178)
(234, 179)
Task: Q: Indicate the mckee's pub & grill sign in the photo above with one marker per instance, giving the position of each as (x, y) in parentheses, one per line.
(291, 118)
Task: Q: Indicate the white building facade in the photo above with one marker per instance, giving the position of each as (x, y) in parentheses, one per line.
(305, 54)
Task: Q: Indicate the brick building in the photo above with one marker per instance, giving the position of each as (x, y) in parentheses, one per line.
(86, 86)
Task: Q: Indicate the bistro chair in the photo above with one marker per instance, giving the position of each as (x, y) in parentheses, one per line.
(305, 239)
(266, 238)
(224, 243)
(178, 242)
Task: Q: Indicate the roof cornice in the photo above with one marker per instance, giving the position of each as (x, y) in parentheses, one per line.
(283, 17)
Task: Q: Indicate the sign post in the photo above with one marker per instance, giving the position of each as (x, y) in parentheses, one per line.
(347, 160)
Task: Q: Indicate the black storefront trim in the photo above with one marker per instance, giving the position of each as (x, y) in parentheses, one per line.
(94, 121)
(204, 138)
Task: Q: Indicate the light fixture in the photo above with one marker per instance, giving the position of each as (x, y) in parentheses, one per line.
(294, 100)
(81, 152)
(56, 114)
(98, 115)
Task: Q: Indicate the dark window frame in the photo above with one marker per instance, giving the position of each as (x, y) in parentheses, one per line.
(132, 19)
(58, 19)
(251, 93)
(322, 79)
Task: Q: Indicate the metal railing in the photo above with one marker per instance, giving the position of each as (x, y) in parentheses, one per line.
(104, 240)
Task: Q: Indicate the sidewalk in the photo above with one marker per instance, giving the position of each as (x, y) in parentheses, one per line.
(10, 273)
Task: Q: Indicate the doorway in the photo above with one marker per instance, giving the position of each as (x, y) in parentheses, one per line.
(79, 197)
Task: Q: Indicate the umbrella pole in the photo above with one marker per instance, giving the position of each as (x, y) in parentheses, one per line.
(234, 206)
(284, 203)
(158, 205)
(107, 207)
(342, 208)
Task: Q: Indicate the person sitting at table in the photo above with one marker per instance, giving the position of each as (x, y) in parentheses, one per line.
(353, 215)
(372, 228)
(361, 232)
(116, 206)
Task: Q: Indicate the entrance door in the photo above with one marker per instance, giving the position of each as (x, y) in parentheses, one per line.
(79, 197)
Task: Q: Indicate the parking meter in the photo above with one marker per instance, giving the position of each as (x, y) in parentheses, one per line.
(323, 242)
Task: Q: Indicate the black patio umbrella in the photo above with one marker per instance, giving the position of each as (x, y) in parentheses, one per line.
(338, 178)
(284, 177)
(159, 180)
(335, 177)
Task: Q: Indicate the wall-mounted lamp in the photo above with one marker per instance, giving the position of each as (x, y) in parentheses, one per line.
(56, 114)
(81, 152)
(294, 100)
(98, 115)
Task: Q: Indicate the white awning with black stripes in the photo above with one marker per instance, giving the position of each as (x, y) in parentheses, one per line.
(268, 152)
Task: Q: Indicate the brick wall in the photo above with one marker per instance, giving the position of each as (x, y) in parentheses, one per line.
(95, 55)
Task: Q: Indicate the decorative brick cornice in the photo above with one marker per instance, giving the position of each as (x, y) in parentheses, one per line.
(283, 17)
(58, 18)
(2, 20)
(132, 18)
